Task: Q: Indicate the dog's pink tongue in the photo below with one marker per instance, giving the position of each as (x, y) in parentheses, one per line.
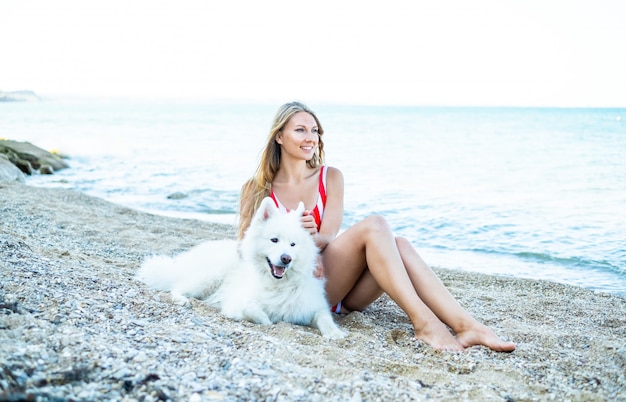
(278, 271)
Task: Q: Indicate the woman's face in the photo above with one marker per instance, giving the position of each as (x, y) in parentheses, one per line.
(299, 138)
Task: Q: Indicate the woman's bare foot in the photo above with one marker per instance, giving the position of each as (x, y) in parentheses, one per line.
(482, 335)
(439, 337)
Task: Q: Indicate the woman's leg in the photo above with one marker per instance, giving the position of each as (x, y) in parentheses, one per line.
(435, 295)
(364, 261)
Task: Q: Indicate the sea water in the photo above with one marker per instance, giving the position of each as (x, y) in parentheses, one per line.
(524, 192)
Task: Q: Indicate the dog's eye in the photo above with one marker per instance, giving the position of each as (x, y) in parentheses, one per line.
(274, 240)
(293, 244)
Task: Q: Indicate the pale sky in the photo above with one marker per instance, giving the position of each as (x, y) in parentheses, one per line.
(449, 52)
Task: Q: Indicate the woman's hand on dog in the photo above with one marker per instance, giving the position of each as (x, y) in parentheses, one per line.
(308, 222)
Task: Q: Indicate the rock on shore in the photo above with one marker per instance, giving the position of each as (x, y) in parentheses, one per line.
(9, 172)
(28, 159)
(74, 325)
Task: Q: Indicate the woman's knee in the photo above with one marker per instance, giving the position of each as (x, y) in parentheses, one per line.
(376, 224)
(403, 244)
(409, 254)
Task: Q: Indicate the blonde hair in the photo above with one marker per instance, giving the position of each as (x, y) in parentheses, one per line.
(259, 186)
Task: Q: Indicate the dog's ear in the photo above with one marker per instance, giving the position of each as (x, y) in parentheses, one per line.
(300, 209)
(266, 209)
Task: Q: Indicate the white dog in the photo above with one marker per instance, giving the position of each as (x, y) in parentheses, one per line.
(267, 277)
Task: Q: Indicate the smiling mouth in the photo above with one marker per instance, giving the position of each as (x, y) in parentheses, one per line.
(278, 271)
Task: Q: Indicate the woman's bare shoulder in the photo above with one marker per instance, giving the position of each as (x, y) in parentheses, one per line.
(333, 173)
(334, 180)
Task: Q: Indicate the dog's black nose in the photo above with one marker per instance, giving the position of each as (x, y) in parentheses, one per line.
(285, 259)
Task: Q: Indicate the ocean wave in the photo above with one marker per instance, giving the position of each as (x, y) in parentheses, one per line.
(566, 262)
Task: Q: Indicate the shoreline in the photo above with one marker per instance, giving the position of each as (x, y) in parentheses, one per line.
(75, 325)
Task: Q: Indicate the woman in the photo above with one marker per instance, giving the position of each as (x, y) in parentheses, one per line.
(365, 260)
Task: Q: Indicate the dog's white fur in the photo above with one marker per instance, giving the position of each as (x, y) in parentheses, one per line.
(267, 277)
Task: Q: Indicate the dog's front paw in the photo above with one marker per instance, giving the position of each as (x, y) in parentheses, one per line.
(334, 333)
(256, 315)
(261, 320)
(247, 311)
(323, 321)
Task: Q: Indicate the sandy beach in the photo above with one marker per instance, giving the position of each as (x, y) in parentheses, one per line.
(75, 325)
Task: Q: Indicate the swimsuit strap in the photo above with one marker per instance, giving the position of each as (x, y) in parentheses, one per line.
(318, 211)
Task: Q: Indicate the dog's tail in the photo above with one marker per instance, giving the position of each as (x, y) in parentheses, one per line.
(194, 273)
(158, 272)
